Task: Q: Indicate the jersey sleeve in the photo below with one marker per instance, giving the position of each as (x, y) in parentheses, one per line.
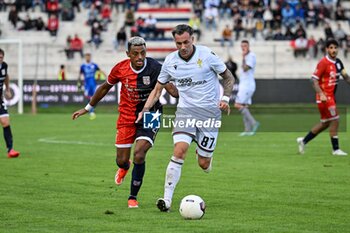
(216, 63)
(250, 61)
(164, 76)
(320, 68)
(96, 67)
(82, 69)
(113, 77)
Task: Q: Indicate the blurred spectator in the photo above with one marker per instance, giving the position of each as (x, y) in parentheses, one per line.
(76, 45)
(2, 5)
(92, 14)
(39, 24)
(249, 25)
(312, 46)
(289, 35)
(340, 35)
(172, 3)
(67, 12)
(340, 13)
(52, 25)
(300, 31)
(237, 26)
(119, 4)
(62, 73)
(68, 49)
(268, 33)
(328, 31)
(227, 36)
(132, 4)
(52, 7)
(106, 15)
(195, 23)
(150, 26)
(96, 31)
(76, 4)
(323, 14)
(121, 39)
(268, 18)
(311, 15)
(27, 23)
(224, 9)
(288, 16)
(140, 27)
(347, 46)
(278, 35)
(198, 8)
(13, 16)
(300, 14)
(277, 16)
(39, 3)
(301, 48)
(129, 17)
(210, 16)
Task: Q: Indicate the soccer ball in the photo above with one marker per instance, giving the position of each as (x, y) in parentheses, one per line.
(192, 207)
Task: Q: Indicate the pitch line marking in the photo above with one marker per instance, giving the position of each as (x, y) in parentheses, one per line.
(54, 140)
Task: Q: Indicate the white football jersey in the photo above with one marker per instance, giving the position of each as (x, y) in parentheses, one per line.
(246, 78)
(196, 79)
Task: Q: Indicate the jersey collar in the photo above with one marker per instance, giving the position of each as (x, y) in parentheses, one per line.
(329, 59)
(139, 71)
(188, 59)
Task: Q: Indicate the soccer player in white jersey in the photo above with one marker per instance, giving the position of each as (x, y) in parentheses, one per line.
(246, 89)
(194, 69)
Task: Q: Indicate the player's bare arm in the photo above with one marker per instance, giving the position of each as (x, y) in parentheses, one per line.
(7, 86)
(228, 81)
(99, 94)
(345, 76)
(151, 100)
(318, 90)
(172, 90)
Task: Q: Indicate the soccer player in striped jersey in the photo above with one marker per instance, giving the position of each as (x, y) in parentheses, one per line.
(325, 80)
(138, 76)
(195, 70)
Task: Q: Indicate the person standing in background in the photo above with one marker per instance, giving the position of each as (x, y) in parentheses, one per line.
(4, 116)
(246, 89)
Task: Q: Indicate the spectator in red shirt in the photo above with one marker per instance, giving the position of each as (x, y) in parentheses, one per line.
(77, 45)
(52, 7)
(52, 25)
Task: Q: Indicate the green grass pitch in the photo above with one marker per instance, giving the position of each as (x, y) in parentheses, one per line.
(64, 181)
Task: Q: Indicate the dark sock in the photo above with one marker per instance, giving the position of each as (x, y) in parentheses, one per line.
(8, 137)
(136, 181)
(335, 142)
(309, 137)
(125, 166)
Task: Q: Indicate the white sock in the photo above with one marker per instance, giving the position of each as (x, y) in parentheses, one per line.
(172, 177)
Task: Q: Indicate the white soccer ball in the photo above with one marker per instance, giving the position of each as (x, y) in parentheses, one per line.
(192, 207)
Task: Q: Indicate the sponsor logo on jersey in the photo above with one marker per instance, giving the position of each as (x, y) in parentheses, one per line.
(199, 62)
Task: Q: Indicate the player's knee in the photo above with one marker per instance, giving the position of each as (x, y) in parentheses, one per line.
(180, 152)
(139, 156)
(122, 162)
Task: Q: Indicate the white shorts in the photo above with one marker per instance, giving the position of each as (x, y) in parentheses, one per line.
(244, 96)
(206, 141)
